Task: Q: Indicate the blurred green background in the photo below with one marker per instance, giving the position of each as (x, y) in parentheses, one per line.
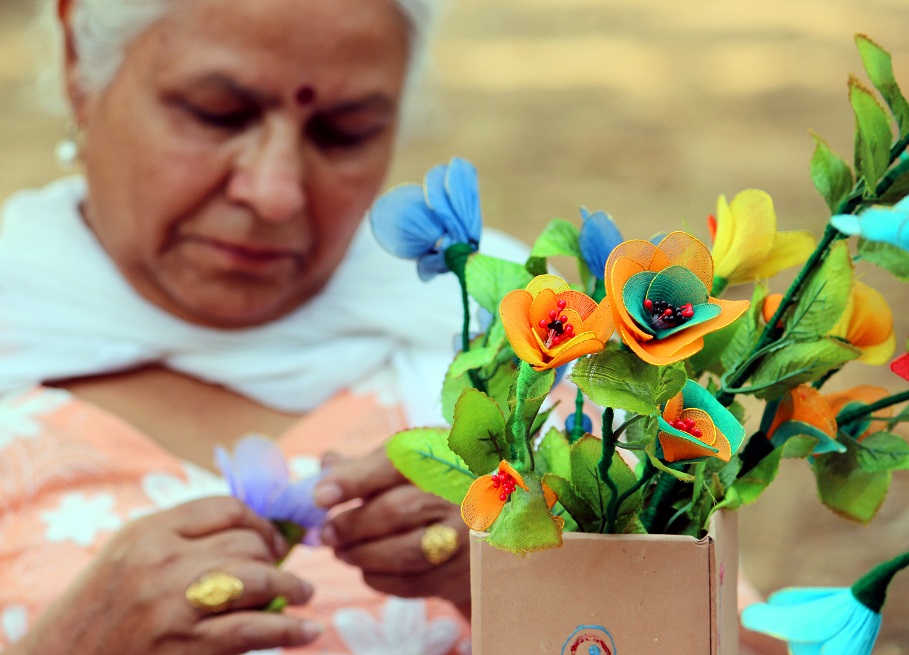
(648, 109)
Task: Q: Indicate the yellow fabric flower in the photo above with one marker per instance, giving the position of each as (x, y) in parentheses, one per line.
(746, 244)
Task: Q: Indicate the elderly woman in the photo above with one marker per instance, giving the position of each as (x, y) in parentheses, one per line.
(208, 278)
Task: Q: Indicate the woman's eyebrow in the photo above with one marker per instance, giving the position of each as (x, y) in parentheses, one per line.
(222, 83)
(377, 102)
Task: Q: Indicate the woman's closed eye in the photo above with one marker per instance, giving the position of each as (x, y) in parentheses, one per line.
(327, 134)
(221, 119)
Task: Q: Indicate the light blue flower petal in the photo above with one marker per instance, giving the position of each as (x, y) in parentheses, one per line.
(598, 238)
(806, 649)
(802, 615)
(887, 224)
(260, 471)
(436, 197)
(295, 503)
(403, 224)
(463, 188)
(857, 637)
(428, 266)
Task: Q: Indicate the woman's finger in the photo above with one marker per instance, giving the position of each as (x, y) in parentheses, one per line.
(240, 632)
(207, 516)
(237, 543)
(400, 554)
(356, 478)
(260, 584)
(399, 509)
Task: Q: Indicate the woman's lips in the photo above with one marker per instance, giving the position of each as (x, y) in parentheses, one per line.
(251, 257)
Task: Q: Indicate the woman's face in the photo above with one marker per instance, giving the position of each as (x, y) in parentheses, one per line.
(232, 157)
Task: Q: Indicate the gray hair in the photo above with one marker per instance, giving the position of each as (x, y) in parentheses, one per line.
(102, 29)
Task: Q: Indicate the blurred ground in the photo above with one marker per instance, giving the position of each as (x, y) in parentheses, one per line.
(647, 109)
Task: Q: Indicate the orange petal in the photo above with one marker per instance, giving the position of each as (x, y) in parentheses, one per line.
(515, 312)
(676, 449)
(549, 496)
(583, 344)
(863, 394)
(806, 405)
(600, 321)
(673, 409)
(579, 302)
(704, 423)
(482, 504)
(505, 467)
(871, 323)
(771, 304)
(682, 249)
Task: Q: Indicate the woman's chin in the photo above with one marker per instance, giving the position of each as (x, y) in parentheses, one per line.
(234, 311)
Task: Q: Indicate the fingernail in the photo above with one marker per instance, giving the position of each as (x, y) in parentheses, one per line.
(311, 630)
(328, 494)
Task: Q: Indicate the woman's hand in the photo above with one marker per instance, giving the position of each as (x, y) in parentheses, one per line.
(383, 535)
(132, 598)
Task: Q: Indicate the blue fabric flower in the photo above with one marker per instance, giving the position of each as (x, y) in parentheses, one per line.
(816, 621)
(888, 224)
(420, 222)
(257, 474)
(599, 236)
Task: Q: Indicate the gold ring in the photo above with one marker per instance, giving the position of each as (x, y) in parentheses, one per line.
(439, 543)
(214, 591)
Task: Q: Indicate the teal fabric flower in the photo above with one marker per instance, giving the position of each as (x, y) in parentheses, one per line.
(887, 224)
(668, 301)
(816, 621)
(422, 222)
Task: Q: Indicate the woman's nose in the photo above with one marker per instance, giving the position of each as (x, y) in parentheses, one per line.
(269, 175)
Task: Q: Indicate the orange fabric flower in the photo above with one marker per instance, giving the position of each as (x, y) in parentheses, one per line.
(806, 404)
(694, 425)
(488, 494)
(549, 324)
(678, 271)
(866, 323)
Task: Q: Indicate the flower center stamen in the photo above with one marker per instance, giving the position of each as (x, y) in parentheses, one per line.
(505, 482)
(687, 425)
(663, 315)
(557, 327)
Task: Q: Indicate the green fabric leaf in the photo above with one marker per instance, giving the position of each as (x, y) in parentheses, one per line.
(553, 455)
(747, 331)
(536, 266)
(422, 456)
(897, 191)
(639, 434)
(498, 384)
(831, 175)
(799, 447)
(823, 443)
(879, 66)
(525, 524)
(559, 238)
(478, 432)
(489, 279)
(797, 363)
(579, 509)
(621, 380)
(872, 135)
(887, 256)
(681, 476)
(751, 485)
(824, 298)
(902, 417)
(585, 478)
(883, 451)
(846, 488)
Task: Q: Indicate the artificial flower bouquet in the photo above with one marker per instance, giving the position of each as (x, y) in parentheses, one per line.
(645, 336)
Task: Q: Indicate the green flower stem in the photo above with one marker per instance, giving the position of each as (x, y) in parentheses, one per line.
(599, 290)
(456, 256)
(871, 588)
(521, 448)
(605, 464)
(656, 517)
(857, 414)
(756, 449)
(577, 430)
(771, 333)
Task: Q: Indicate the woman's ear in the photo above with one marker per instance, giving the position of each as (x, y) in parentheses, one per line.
(72, 77)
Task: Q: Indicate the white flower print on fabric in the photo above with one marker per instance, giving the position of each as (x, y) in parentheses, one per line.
(403, 630)
(79, 519)
(13, 623)
(166, 490)
(19, 411)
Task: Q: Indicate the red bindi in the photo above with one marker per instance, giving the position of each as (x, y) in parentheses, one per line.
(305, 94)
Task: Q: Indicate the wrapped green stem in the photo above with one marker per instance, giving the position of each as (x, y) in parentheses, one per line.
(871, 589)
(456, 257)
(604, 465)
(577, 430)
(857, 414)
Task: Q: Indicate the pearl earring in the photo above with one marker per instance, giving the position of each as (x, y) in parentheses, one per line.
(67, 150)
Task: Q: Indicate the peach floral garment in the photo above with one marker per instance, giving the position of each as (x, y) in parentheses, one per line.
(72, 474)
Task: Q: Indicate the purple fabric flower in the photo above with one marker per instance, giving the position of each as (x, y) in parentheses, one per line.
(258, 475)
(420, 222)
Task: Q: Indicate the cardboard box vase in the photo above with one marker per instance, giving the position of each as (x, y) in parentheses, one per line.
(609, 595)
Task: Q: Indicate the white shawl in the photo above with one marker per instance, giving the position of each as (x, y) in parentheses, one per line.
(66, 311)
